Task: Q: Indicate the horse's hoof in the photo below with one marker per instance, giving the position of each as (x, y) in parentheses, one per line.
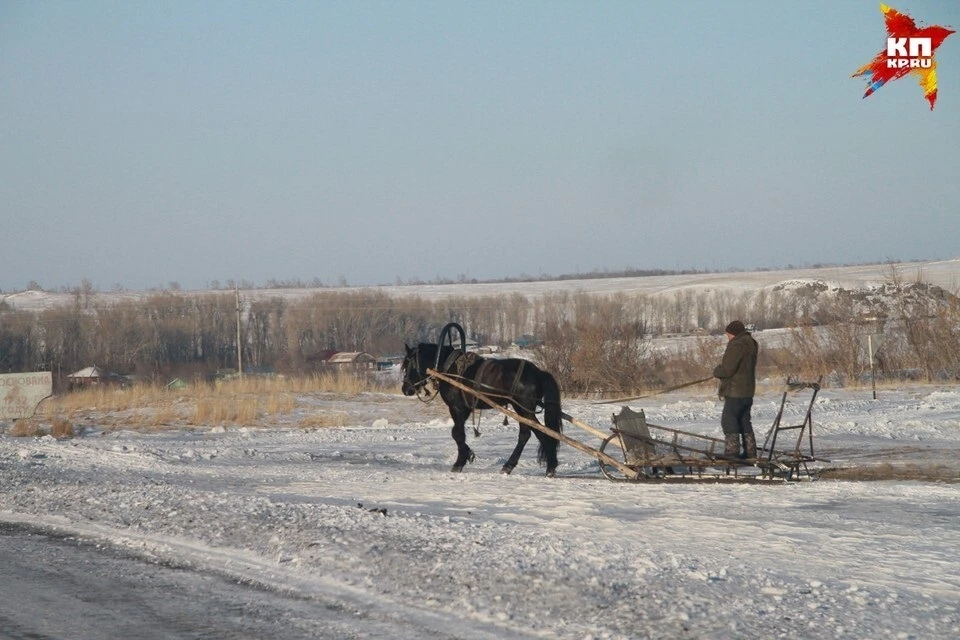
(551, 474)
(506, 470)
(457, 468)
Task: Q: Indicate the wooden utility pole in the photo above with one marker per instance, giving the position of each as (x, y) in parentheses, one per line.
(239, 340)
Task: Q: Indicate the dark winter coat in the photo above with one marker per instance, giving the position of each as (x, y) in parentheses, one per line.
(738, 369)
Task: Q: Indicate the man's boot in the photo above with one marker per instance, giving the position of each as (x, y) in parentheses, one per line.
(731, 446)
(749, 445)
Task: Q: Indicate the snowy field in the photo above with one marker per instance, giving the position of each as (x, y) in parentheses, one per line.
(943, 273)
(368, 519)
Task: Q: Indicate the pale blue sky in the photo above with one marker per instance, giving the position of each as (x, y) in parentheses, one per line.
(143, 143)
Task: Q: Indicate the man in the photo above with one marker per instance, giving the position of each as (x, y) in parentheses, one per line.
(737, 372)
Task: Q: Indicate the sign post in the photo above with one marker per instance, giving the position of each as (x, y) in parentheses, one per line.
(20, 393)
(871, 337)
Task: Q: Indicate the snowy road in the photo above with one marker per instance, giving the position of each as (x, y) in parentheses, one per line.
(57, 587)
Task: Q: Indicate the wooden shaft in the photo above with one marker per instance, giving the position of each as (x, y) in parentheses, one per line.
(579, 446)
(656, 393)
(584, 426)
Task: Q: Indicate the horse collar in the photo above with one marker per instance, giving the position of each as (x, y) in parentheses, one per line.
(458, 362)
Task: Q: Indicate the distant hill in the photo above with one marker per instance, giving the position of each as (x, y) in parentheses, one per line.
(867, 279)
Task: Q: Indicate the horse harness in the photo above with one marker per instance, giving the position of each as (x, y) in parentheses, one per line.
(457, 364)
(421, 385)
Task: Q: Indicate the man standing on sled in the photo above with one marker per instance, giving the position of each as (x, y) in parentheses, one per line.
(737, 372)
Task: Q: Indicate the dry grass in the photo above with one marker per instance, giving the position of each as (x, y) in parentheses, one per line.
(280, 403)
(345, 383)
(325, 419)
(226, 409)
(240, 402)
(29, 428)
(59, 428)
(888, 471)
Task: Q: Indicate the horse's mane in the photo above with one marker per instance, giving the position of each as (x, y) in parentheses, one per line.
(430, 350)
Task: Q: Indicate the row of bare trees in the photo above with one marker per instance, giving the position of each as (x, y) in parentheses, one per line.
(919, 340)
(593, 343)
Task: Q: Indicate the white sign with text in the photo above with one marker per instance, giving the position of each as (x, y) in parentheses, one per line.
(20, 393)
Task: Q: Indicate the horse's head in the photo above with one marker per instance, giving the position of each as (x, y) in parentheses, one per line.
(414, 371)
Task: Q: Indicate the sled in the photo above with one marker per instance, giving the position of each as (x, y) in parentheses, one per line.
(662, 453)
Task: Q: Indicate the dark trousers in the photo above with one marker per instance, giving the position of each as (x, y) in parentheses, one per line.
(735, 419)
(738, 428)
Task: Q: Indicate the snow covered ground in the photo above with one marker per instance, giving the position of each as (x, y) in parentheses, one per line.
(370, 518)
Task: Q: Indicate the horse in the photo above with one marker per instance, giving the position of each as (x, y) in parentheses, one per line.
(515, 381)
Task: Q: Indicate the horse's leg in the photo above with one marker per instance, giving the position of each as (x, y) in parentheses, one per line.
(459, 433)
(547, 452)
(515, 456)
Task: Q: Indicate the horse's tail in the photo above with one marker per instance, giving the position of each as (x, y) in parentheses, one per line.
(552, 415)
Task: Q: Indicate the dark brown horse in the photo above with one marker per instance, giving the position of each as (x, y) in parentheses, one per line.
(509, 382)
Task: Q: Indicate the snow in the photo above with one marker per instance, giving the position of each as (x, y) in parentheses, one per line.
(943, 273)
(369, 516)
